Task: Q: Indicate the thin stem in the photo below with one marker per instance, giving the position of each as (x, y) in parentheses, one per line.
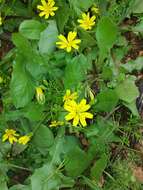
(19, 167)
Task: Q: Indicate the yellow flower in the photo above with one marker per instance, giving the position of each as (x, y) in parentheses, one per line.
(95, 9)
(56, 123)
(70, 96)
(78, 112)
(68, 43)
(0, 20)
(47, 8)
(10, 135)
(40, 95)
(87, 22)
(24, 139)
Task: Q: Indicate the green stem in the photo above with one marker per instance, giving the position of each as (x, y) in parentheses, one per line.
(18, 167)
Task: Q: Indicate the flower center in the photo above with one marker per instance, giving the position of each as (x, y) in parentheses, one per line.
(48, 9)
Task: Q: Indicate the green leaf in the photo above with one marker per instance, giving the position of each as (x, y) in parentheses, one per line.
(138, 27)
(22, 44)
(62, 16)
(76, 71)
(31, 29)
(58, 147)
(20, 187)
(106, 35)
(33, 112)
(127, 90)
(80, 5)
(43, 139)
(137, 6)
(107, 100)
(32, 59)
(132, 107)
(48, 38)
(3, 183)
(22, 85)
(87, 40)
(98, 167)
(76, 162)
(45, 178)
(49, 177)
(133, 65)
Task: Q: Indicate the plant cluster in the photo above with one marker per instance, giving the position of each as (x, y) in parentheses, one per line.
(68, 113)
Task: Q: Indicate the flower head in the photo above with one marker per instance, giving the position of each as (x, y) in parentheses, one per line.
(40, 95)
(10, 135)
(87, 22)
(47, 8)
(95, 9)
(78, 112)
(56, 123)
(24, 139)
(70, 96)
(69, 43)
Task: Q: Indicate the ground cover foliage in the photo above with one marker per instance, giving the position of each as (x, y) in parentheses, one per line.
(71, 89)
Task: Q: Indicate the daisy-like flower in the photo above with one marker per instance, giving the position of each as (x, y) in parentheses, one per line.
(69, 43)
(47, 8)
(10, 135)
(40, 95)
(56, 123)
(24, 139)
(70, 96)
(78, 112)
(87, 22)
(95, 9)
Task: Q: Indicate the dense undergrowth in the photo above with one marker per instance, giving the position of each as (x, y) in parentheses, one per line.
(71, 87)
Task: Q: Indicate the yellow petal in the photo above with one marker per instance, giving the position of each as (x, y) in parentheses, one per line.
(52, 13)
(55, 8)
(68, 107)
(93, 18)
(88, 115)
(70, 116)
(80, 21)
(76, 120)
(51, 3)
(47, 16)
(42, 14)
(82, 120)
(75, 46)
(40, 7)
(4, 137)
(69, 49)
(72, 36)
(84, 16)
(12, 140)
(62, 38)
(43, 2)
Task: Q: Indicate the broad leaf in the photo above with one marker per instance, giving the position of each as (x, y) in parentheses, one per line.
(76, 71)
(22, 84)
(127, 90)
(107, 100)
(98, 167)
(138, 6)
(31, 29)
(43, 139)
(48, 38)
(76, 162)
(106, 35)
